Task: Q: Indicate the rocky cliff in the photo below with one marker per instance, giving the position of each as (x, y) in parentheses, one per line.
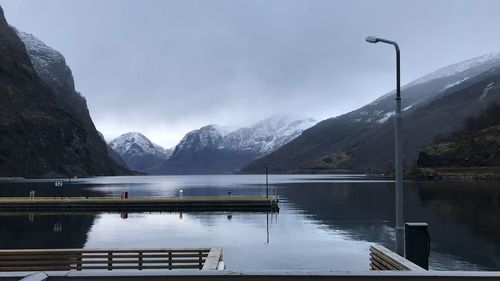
(45, 126)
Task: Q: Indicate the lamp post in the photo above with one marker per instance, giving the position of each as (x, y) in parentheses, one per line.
(397, 149)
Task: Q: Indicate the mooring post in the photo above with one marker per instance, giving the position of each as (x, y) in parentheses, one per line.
(267, 182)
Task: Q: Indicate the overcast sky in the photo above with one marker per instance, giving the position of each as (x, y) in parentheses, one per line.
(167, 67)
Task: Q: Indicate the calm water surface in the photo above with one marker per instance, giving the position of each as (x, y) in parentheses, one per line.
(326, 222)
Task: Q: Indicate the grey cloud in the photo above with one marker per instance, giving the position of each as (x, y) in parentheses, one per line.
(165, 67)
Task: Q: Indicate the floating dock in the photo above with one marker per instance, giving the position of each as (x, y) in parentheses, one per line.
(110, 204)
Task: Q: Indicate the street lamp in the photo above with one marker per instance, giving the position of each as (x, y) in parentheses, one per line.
(398, 149)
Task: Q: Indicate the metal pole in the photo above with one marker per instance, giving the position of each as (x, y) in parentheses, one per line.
(399, 161)
(267, 227)
(267, 182)
(398, 150)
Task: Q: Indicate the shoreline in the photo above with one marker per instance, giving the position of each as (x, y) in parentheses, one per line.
(457, 173)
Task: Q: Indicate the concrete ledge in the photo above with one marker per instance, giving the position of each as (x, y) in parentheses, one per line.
(264, 275)
(39, 276)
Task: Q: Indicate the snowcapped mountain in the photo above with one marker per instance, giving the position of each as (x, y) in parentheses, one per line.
(45, 124)
(433, 105)
(138, 151)
(219, 149)
(466, 68)
(425, 88)
(260, 138)
(210, 136)
(49, 64)
(267, 135)
(113, 154)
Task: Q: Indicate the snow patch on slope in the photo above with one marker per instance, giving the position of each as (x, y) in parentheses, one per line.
(455, 83)
(486, 91)
(386, 117)
(47, 62)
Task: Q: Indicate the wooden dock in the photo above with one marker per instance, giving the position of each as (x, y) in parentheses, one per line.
(109, 259)
(80, 264)
(110, 204)
(384, 259)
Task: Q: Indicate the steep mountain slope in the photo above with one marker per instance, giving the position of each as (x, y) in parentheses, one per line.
(216, 149)
(138, 151)
(363, 139)
(476, 145)
(113, 154)
(444, 114)
(51, 67)
(45, 127)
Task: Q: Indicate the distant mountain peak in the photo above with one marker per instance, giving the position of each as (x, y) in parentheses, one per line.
(214, 129)
(135, 143)
(260, 138)
(210, 136)
(268, 135)
(221, 149)
(138, 151)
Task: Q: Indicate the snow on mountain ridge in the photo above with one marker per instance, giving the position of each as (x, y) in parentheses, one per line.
(47, 62)
(260, 138)
(210, 136)
(135, 143)
(224, 130)
(457, 68)
(444, 78)
(449, 70)
(268, 134)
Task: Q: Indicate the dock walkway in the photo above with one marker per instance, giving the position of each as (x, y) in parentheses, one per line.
(388, 267)
(198, 203)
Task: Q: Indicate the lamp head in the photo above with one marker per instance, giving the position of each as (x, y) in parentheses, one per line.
(372, 39)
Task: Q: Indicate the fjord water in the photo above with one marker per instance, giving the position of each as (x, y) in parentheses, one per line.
(325, 222)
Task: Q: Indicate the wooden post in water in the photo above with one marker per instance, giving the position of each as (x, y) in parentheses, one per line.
(200, 260)
(110, 260)
(170, 260)
(267, 182)
(140, 260)
(79, 262)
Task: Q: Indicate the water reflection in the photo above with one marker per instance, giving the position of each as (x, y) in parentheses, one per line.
(463, 217)
(327, 221)
(465, 220)
(34, 230)
(278, 246)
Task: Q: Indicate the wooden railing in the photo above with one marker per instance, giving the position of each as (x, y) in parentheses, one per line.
(109, 259)
(382, 258)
